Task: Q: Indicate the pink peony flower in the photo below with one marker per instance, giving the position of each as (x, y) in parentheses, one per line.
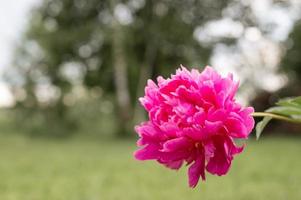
(193, 119)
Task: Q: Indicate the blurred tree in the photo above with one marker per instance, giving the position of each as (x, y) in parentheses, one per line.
(115, 45)
(291, 62)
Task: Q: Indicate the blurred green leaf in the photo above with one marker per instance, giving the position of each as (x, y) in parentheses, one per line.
(285, 110)
(291, 101)
(288, 109)
(261, 125)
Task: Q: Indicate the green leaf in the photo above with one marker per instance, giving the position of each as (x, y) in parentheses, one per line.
(285, 110)
(261, 125)
(291, 101)
(288, 109)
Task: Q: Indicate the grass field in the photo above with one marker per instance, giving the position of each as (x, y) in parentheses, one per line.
(105, 170)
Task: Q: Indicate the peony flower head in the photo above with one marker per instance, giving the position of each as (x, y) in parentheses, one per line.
(193, 119)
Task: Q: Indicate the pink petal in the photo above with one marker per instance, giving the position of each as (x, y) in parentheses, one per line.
(149, 152)
(248, 119)
(200, 117)
(170, 129)
(149, 132)
(213, 127)
(209, 74)
(196, 133)
(217, 115)
(220, 163)
(177, 144)
(209, 150)
(196, 170)
(167, 157)
(236, 128)
(174, 165)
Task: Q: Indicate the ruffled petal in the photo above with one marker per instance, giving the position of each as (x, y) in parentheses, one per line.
(149, 152)
(174, 165)
(247, 117)
(225, 148)
(197, 170)
(236, 128)
(177, 144)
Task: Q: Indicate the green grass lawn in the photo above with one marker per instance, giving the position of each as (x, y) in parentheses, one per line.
(93, 169)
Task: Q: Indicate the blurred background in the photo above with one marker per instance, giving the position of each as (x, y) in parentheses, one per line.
(72, 70)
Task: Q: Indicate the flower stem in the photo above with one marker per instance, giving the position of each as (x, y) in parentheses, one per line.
(275, 116)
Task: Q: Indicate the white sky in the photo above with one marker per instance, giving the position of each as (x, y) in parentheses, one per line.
(13, 18)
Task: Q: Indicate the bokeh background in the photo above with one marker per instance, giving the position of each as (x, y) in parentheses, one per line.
(72, 70)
